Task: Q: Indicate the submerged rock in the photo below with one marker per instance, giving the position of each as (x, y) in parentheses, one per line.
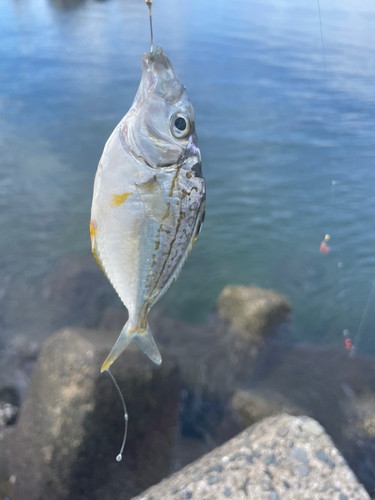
(280, 457)
(77, 293)
(252, 405)
(326, 384)
(71, 422)
(253, 311)
(227, 380)
(17, 361)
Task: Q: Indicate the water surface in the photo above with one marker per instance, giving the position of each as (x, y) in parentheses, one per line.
(288, 148)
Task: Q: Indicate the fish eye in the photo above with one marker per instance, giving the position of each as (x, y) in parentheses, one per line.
(180, 125)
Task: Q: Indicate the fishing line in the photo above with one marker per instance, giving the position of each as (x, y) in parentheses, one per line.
(149, 5)
(358, 334)
(340, 264)
(126, 416)
(322, 39)
(350, 346)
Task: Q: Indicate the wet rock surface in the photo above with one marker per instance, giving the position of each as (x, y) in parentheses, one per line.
(281, 457)
(78, 293)
(17, 361)
(74, 293)
(71, 423)
(325, 384)
(253, 311)
(252, 405)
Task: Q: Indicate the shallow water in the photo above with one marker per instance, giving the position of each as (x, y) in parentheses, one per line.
(275, 131)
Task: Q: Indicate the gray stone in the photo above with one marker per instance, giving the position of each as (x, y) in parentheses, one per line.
(6, 438)
(71, 422)
(266, 485)
(343, 497)
(77, 293)
(17, 361)
(243, 480)
(217, 468)
(253, 311)
(186, 495)
(8, 413)
(300, 455)
(302, 470)
(251, 405)
(323, 457)
(271, 460)
(323, 383)
(314, 428)
(283, 431)
(213, 480)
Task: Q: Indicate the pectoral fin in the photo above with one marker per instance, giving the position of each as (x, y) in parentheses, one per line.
(153, 199)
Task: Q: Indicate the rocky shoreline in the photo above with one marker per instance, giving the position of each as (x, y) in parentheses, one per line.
(61, 422)
(281, 457)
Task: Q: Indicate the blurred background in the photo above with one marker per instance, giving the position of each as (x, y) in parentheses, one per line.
(286, 132)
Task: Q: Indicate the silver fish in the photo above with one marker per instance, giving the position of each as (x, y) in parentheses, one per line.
(149, 199)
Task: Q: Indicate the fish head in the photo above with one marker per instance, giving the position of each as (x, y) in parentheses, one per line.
(160, 127)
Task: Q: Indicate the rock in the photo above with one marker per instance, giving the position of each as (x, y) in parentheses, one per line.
(240, 478)
(77, 293)
(8, 414)
(17, 360)
(6, 438)
(71, 423)
(252, 405)
(253, 311)
(326, 384)
(113, 319)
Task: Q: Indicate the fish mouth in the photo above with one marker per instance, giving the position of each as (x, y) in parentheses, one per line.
(157, 57)
(160, 77)
(157, 63)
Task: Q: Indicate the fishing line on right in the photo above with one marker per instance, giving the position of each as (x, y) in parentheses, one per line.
(350, 344)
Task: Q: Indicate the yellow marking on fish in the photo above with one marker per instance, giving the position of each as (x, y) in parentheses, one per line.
(93, 231)
(119, 199)
(107, 363)
(157, 244)
(188, 175)
(97, 260)
(168, 212)
(154, 262)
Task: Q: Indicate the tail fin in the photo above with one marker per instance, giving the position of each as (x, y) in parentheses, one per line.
(142, 337)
